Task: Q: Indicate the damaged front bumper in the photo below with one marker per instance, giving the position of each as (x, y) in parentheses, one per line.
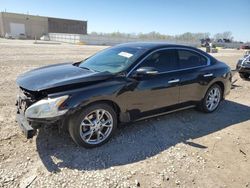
(29, 126)
(25, 126)
(243, 67)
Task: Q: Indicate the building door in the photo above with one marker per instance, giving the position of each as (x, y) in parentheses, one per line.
(16, 29)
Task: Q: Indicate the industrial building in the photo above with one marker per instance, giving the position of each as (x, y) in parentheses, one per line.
(32, 26)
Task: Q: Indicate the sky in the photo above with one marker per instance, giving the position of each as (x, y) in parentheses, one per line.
(171, 17)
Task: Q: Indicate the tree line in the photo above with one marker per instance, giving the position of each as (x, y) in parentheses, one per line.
(188, 36)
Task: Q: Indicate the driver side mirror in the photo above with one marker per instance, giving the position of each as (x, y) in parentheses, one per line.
(146, 71)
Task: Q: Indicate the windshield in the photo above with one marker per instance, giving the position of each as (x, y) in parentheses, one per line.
(113, 60)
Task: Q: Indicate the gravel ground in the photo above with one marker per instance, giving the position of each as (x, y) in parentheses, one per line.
(183, 149)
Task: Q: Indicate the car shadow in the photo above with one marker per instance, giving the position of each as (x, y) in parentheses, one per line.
(137, 141)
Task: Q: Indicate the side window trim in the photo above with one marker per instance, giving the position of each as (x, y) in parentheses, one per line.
(176, 48)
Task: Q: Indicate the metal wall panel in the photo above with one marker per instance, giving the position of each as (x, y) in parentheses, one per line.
(57, 25)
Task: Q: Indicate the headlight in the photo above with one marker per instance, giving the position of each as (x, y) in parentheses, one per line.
(46, 108)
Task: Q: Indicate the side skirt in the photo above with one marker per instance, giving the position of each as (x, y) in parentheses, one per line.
(167, 112)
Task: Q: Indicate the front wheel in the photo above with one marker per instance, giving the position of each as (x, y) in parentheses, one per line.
(93, 126)
(212, 99)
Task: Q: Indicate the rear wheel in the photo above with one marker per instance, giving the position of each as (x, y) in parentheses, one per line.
(244, 75)
(212, 99)
(93, 126)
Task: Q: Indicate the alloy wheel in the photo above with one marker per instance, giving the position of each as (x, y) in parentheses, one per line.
(96, 126)
(213, 98)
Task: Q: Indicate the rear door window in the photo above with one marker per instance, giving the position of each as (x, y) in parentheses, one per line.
(190, 59)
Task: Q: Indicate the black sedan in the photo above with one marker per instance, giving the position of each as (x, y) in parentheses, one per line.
(120, 84)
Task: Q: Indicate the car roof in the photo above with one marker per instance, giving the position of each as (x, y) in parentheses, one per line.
(150, 45)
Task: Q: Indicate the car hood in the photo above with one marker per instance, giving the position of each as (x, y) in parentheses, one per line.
(58, 75)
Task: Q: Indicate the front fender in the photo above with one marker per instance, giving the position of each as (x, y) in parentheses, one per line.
(79, 98)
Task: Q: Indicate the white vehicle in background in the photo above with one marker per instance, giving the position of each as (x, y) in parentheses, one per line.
(45, 38)
(8, 36)
(19, 36)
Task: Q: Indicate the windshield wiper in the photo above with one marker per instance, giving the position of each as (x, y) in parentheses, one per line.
(86, 68)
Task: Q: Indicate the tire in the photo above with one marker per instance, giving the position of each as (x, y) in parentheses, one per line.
(244, 76)
(85, 127)
(204, 104)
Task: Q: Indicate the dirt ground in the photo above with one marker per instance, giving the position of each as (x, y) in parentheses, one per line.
(183, 149)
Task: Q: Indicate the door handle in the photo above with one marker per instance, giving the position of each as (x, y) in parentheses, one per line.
(173, 81)
(208, 75)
